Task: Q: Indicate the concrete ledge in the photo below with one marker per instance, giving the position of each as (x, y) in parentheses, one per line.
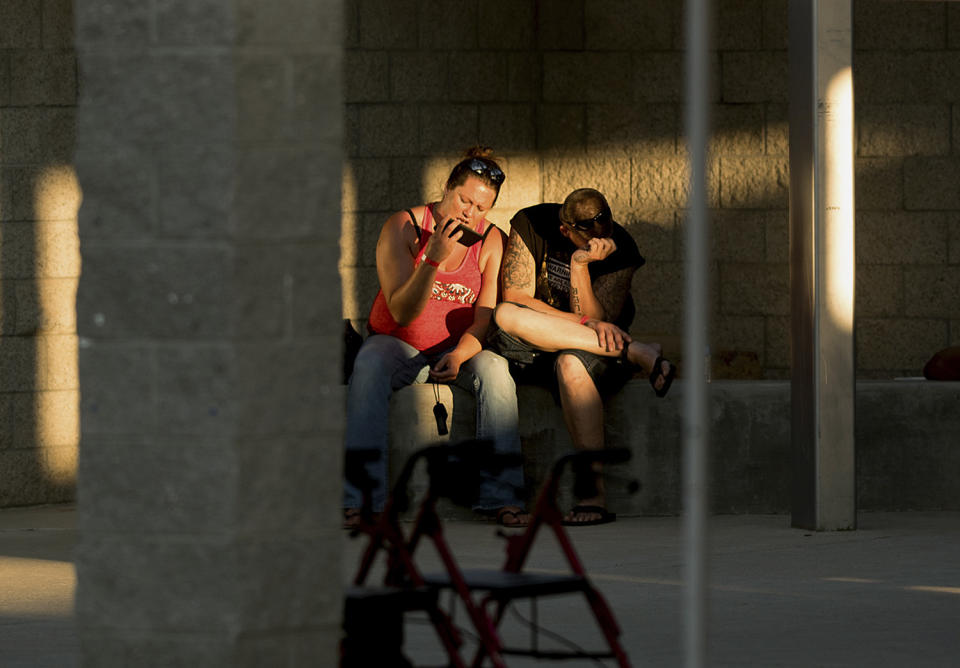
(908, 455)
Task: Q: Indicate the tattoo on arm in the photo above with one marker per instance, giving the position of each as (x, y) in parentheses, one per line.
(517, 270)
(611, 291)
(575, 300)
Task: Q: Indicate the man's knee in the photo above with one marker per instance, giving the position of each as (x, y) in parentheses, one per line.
(569, 367)
(505, 316)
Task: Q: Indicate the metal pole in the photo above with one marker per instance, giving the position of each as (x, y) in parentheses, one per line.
(696, 415)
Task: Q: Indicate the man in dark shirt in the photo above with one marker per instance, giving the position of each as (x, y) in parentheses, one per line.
(566, 276)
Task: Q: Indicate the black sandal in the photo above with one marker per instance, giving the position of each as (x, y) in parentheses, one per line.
(657, 373)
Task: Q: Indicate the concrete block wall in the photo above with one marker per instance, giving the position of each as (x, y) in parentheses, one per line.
(209, 149)
(39, 254)
(586, 93)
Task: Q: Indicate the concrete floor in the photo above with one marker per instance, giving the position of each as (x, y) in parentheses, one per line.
(887, 594)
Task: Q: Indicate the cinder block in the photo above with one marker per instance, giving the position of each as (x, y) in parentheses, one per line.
(47, 250)
(154, 649)
(655, 232)
(754, 183)
(932, 291)
(879, 290)
(560, 25)
(508, 127)
(520, 189)
(743, 334)
(626, 130)
(953, 239)
(899, 26)
(660, 289)
(195, 190)
(454, 126)
(119, 200)
(611, 176)
(263, 96)
(289, 186)
(381, 130)
(755, 76)
(21, 24)
(664, 182)
(4, 82)
(26, 480)
(170, 292)
(392, 24)
(42, 78)
(878, 183)
(33, 363)
(291, 648)
(120, 22)
(194, 385)
(127, 477)
(953, 26)
(737, 129)
(931, 183)
(366, 75)
(913, 129)
(118, 388)
(777, 130)
(588, 76)
(778, 236)
(278, 387)
(281, 476)
(486, 83)
(38, 134)
(777, 361)
(194, 22)
(307, 25)
(317, 110)
(907, 76)
(46, 305)
(49, 420)
(898, 346)
(506, 24)
(900, 237)
(176, 96)
(739, 25)
(360, 286)
(524, 76)
(775, 24)
(621, 25)
(315, 308)
(739, 236)
(351, 30)
(657, 76)
(562, 128)
(413, 75)
(755, 289)
(58, 24)
(365, 185)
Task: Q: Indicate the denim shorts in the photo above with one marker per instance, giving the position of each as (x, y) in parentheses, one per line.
(533, 366)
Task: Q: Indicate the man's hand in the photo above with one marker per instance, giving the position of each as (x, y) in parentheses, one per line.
(597, 249)
(609, 336)
(447, 368)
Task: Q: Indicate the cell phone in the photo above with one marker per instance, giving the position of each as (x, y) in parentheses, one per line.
(469, 236)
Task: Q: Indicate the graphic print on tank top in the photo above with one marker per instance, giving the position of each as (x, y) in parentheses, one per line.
(553, 280)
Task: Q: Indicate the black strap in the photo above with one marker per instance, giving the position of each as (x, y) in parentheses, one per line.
(490, 226)
(413, 219)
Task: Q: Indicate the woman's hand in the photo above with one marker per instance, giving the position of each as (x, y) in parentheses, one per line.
(597, 249)
(447, 368)
(609, 336)
(443, 240)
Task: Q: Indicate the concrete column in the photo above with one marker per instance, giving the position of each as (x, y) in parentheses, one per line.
(822, 263)
(209, 156)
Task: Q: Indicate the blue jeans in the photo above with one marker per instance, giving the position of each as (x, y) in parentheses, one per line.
(386, 364)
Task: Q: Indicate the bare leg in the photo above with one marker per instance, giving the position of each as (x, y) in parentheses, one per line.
(583, 413)
(550, 334)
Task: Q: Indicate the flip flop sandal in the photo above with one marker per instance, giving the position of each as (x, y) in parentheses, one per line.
(605, 516)
(667, 377)
(516, 514)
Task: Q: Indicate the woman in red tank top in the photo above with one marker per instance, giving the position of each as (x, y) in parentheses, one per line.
(428, 322)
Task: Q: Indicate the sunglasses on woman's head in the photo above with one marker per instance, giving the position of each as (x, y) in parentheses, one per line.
(587, 224)
(479, 167)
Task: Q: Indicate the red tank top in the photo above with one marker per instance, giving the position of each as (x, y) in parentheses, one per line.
(449, 310)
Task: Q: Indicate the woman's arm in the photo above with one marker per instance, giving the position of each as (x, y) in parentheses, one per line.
(406, 288)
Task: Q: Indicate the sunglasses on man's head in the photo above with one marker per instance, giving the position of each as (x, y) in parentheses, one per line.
(479, 167)
(588, 224)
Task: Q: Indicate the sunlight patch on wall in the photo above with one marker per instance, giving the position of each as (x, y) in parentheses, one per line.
(56, 201)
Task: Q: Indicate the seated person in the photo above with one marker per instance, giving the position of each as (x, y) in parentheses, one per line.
(428, 322)
(567, 308)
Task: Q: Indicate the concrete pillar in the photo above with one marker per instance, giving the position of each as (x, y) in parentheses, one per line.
(822, 263)
(209, 155)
